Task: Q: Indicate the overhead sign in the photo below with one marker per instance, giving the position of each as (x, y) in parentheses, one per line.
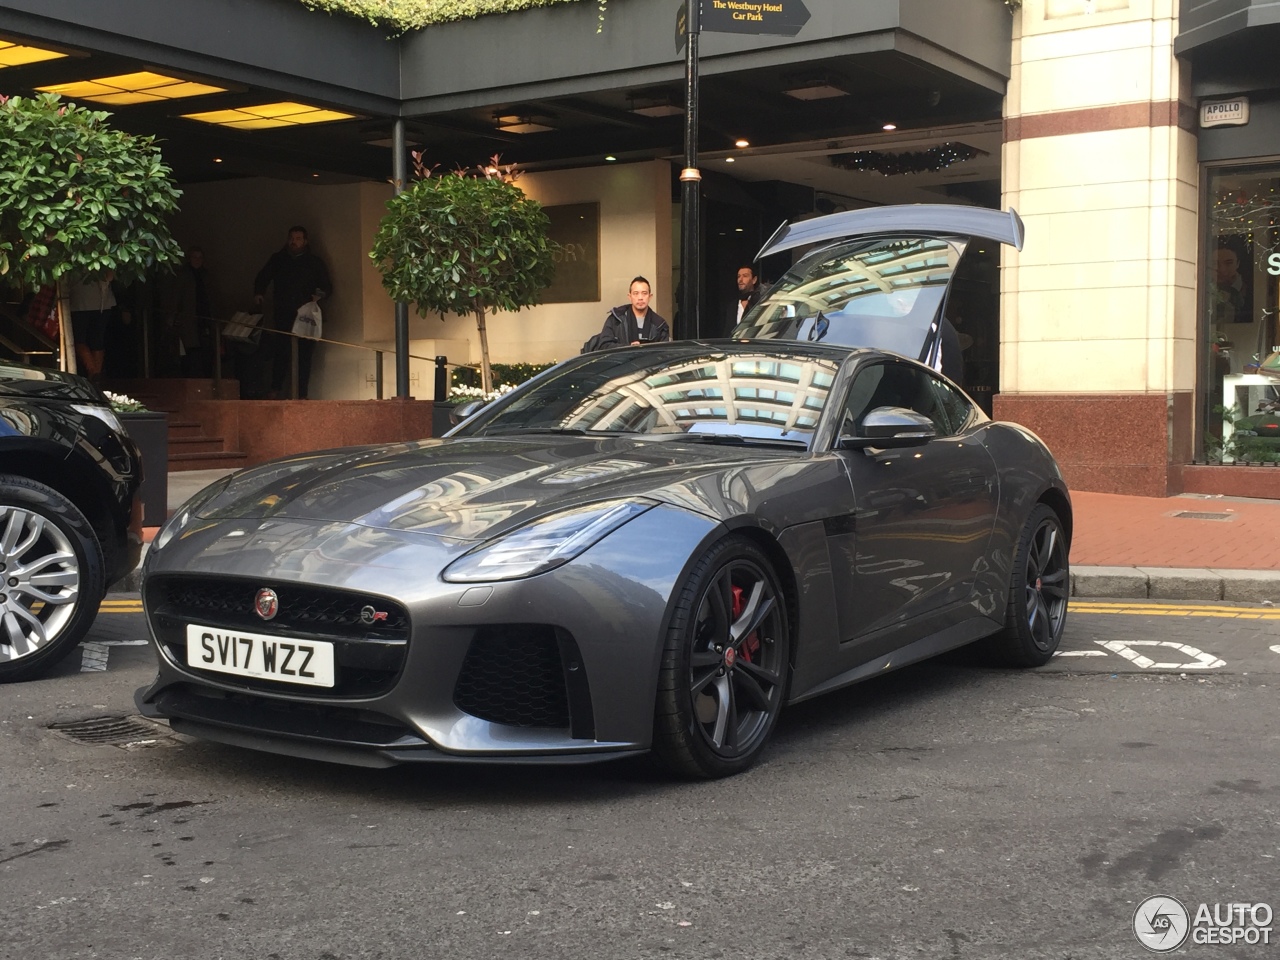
(782, 18)
(1225, 113)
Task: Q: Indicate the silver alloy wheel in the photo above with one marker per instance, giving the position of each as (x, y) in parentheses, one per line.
(39, 582)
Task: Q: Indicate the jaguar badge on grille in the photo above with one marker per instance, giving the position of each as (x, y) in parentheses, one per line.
(368, 615)
(266, 603)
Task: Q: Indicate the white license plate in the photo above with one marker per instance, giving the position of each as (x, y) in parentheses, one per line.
(253, 655)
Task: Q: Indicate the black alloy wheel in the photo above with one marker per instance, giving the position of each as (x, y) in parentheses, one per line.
(51, 577)
(1039, 592)
(725, 664)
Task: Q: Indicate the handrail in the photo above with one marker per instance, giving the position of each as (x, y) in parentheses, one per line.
(442, 363)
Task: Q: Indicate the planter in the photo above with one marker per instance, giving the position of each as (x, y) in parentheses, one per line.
(150, 431)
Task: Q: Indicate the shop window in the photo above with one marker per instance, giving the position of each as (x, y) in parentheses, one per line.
(1241, 407)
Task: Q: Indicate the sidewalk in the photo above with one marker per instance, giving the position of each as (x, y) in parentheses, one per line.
(1190, 547)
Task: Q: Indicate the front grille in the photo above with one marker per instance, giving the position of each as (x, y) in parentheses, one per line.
(514, 674)
(367, 657)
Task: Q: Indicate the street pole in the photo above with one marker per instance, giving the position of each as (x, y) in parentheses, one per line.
(691, 188)
(400, 173)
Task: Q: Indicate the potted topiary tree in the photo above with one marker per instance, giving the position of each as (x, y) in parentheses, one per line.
(465, 242)
(78, 198)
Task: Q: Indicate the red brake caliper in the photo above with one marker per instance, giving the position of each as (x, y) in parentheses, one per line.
(751, 645)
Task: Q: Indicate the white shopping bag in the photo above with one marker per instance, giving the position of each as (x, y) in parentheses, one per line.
(307, 321)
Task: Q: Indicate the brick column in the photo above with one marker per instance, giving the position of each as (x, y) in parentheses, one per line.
(1098, 312)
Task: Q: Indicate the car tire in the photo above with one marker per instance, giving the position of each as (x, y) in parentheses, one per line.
(1039, 591)
(51, 581)
(725, 664)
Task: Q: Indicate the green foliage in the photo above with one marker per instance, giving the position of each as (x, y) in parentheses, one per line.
(460, 244)
(402, 15)
(512, 373)
(77, 197)
(465, 244)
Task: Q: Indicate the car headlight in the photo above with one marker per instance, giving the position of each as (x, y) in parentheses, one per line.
(105, 414)
(182, 519)
(544, 544)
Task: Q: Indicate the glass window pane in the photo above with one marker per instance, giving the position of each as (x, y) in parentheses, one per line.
(1241, 273)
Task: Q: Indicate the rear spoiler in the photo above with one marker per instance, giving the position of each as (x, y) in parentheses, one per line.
(919, 219)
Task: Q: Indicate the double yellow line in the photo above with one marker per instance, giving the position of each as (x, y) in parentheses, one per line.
(1139, 608)
(120, 606)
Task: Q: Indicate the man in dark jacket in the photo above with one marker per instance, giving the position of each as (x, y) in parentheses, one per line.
(633, 323)
(296, 276)
(750, 292)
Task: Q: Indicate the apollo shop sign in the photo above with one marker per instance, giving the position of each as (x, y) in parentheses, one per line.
(1225, 113)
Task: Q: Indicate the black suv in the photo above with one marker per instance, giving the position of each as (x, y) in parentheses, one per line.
(69, 522)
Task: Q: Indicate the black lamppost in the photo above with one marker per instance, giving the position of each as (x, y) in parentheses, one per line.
(400, 174)
(691, 187)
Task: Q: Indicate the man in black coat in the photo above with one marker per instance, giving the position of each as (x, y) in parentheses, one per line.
(633, 323)
(750, 292)
(296, 276)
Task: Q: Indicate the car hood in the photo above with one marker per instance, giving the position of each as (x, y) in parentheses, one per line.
(18, 380)
(475, 488)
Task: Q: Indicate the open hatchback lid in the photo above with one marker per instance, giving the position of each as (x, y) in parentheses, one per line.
(876, 278)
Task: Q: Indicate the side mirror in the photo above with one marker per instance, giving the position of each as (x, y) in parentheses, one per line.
(458, 414)
(888, 427)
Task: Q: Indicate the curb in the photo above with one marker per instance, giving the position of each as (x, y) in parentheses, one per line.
(1176, 583)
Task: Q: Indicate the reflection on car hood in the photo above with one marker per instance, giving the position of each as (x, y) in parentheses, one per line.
(19, 380)
(474, 488)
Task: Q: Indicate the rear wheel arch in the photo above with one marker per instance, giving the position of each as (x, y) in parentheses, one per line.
(1057, 501)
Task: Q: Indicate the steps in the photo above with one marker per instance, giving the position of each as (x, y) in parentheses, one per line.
(190, 446)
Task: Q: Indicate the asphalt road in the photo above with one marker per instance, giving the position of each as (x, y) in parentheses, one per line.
(947, 810)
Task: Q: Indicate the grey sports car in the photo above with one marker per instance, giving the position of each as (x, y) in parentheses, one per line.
(649, 548)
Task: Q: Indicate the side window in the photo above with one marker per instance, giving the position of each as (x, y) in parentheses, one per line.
(893, 385)
(957, 407)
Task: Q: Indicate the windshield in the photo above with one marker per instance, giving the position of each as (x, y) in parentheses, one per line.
(883, 293)
(736, 395)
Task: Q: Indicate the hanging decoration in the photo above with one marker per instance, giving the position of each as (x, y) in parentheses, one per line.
(896, 164)
(1254, 217)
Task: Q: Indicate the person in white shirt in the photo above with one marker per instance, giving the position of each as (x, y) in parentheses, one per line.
(92, 302)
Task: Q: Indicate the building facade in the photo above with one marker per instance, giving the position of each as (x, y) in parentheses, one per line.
(1138, 139)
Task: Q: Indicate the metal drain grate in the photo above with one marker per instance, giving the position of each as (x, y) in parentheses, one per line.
(109, 730)
(1192, 515)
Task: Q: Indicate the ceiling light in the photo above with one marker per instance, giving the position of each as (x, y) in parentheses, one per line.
(16, 54)
(741, 143)
(890, 126)
(521, 125)
(141, 87)
(819, 90)
(611, 158)
(262, 116)
(659, 110)
(728, 159)
(217, 159)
